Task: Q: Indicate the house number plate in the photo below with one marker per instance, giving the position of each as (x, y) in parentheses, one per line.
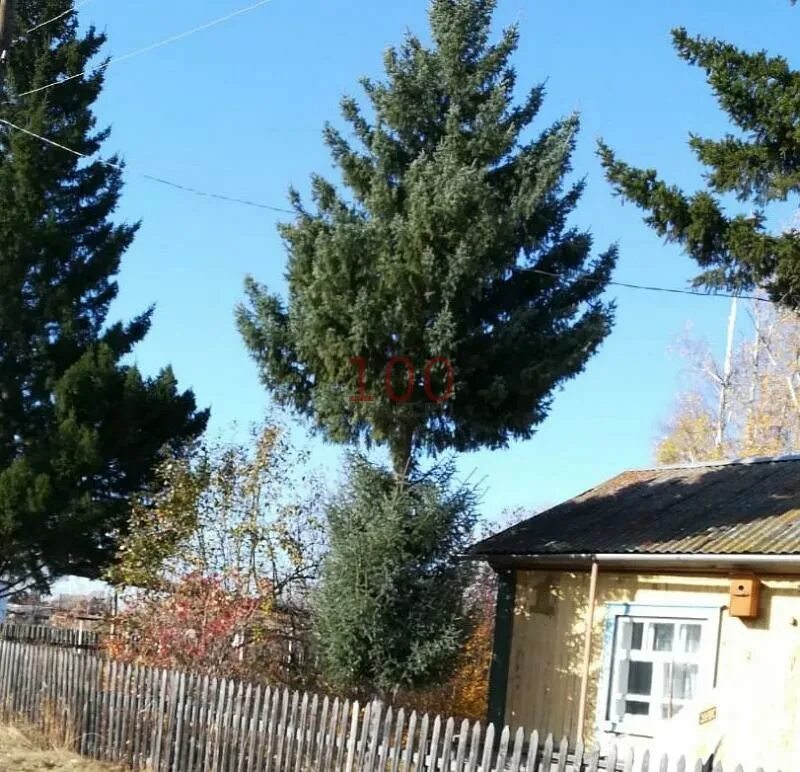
(709, 714)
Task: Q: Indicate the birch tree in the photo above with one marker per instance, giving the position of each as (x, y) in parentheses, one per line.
(750, 407)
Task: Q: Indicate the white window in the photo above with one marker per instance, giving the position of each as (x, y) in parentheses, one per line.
(658, 659)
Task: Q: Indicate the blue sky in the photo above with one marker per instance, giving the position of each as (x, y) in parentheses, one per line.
(239, 110)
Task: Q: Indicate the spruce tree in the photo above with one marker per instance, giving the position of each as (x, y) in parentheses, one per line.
(389, 611)
(758, 165)
(449, 238)
(80, 429)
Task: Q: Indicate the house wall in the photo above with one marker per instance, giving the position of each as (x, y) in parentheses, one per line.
(757, 693)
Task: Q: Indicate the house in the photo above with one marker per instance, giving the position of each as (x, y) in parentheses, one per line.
(661, 608)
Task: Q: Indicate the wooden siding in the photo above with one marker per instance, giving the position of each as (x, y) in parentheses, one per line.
(758, 667)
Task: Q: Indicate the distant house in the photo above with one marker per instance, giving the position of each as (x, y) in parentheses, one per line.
(689, 580)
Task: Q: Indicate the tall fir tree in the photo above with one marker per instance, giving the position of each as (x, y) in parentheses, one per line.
(80, 430)
(758, 165)
(450, 240)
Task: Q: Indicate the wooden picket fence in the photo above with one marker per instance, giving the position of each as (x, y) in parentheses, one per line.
(53, 636)
(154, 719)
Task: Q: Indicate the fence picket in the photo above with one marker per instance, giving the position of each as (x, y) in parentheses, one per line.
(531, 759)
(215, 745)
(411, 734)
(577, 758)
(383, 750)
(228, 723)
(272, 728)
(331, 732)
(488, 748)
(322, 731)
(474, 748)
(500, 762)
(311, 734)
(611, 759)
(252, 731)
(516, 752)
(234, 736)
(341, 736)
(627, 764)
(181, 724)
(137, 713)
(429, 759)
(447, 747)
(297, 736)
(264, 721)
(288, 735)
(262, 727)
(461, 750)
(353, 739)
(563, 753)
(395, 749)
(280, 731)
(362, 737)
(547, 754)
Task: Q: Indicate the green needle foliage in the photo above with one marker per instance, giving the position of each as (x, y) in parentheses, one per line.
(757, 165)
(80, 431)
(389, 609)
(433, 247)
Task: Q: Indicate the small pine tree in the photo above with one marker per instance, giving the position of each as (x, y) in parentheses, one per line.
(80, 431)
(450, 241)
(389, 611)
(758, 165)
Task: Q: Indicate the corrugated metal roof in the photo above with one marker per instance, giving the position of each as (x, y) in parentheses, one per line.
(731, 508)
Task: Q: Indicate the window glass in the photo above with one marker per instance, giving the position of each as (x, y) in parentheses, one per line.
(670, 709)
(637, 708)
(637, 635)
(681, 682)
(663, 633)
(691, 634)
(640, 678)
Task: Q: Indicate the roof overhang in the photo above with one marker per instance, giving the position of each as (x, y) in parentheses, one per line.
(679, 563)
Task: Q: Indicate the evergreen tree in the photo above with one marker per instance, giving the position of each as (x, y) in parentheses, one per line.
(80, 430)
(450, 240)
(389, 613)
(758, 165)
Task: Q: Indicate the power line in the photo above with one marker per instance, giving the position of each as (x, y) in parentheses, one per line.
(673, 290)
(150, 177)
(147, 49)
(69, 10)
(268, 207)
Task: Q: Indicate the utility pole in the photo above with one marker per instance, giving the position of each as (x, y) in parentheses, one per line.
(6, 27)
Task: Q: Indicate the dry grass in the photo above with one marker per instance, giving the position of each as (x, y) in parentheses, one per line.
(23, 751)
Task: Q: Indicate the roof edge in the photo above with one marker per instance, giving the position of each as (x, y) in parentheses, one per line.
(683, 562)
(745, 460)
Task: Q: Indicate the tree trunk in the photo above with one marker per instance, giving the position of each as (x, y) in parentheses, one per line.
(401, 452)
(6, 24)
(722, 412)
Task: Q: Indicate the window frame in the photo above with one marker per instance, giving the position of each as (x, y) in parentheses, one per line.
(708, 656)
